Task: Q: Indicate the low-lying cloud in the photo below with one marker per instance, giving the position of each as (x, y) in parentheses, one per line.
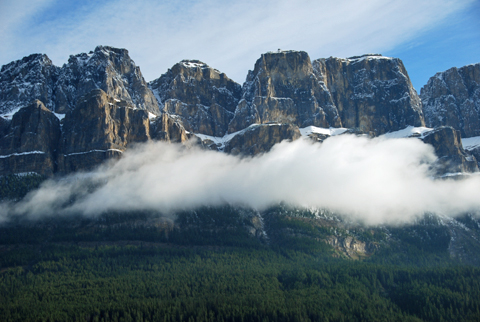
(375, 181)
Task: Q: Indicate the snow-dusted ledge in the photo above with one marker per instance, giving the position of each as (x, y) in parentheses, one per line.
(22, 153)
(104, 151)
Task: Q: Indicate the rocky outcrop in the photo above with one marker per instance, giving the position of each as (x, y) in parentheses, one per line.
(26, 80)
(109, 69)
(261, 138)
(452, 158)
(202, 97)
(168, 128)
(283, 88)
(105, 130)
(351, 246)
(30, 141)
(452, 98)
(372, 93)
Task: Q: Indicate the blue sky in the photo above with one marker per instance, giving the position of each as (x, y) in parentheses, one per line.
(428, 35)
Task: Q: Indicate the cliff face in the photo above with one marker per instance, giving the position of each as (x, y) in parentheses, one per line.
(29, 141)
(452, 158)
(283, 88)
(203, 98)
(452, 98)
(261, 138)
(105, 131)
(372, 93)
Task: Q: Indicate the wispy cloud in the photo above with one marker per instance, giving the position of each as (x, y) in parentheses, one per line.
(229, 36)
(375, 181)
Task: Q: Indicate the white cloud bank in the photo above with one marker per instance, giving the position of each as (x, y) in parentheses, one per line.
(229, 36)
(375, 181)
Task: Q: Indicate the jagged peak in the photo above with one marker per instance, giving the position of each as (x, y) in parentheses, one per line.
(100, 52)
(109, 49)
(30, 59)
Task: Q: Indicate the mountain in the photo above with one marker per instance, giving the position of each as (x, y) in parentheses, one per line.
(281, 261)
(103, 105)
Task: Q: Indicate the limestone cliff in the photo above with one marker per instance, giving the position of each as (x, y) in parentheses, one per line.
(452, 98)
(203, 98)
(29, 141)
(372, 93)
(283, 88)
(105, 131)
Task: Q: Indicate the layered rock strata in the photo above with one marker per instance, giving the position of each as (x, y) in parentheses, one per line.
(283, 88)
(372, 93)
(203, 98)
(30, 141)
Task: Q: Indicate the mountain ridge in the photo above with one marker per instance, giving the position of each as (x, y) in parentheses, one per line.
(284, 93)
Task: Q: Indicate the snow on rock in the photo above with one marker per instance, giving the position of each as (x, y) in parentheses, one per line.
(306, 131)
(471, 143)
(409, 131)
(22, 153)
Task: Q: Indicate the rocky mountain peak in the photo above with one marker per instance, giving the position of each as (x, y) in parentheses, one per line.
(25, 80)
(452, 98)
(110, 69)
(283, 88)
(203, 98)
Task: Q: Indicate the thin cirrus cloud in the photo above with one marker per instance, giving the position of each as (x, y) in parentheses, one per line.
(373, 181)
(228, 36)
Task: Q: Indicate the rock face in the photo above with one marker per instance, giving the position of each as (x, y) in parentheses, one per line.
(108, 106)
(106, 68)
(372, 93)
(30, 141)
(283, 88)
(449, 150)
(452, 98)
(202, 97)
(169, 129)
(26, 80)
(105, 131)
(261, 138)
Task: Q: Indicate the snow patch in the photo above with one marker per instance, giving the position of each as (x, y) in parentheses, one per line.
(151, 116)
(408, 132)
(59, 116)
(306, 131)
(104, 151)
(9, 115)
(222, 141)
(356, 59)
(22, 153)
(191, 64)
(471, 143)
